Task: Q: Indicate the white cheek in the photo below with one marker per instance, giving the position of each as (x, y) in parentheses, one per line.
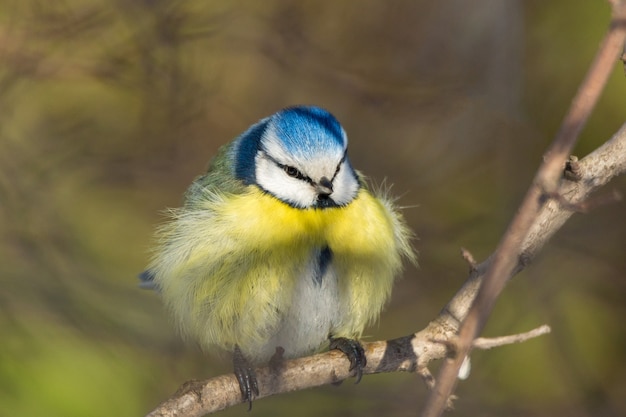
(345, 185)
(274, 180)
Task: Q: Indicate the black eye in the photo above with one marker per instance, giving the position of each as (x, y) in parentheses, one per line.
(292, 172)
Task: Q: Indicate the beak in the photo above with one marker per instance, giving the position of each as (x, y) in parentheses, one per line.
(324, 187)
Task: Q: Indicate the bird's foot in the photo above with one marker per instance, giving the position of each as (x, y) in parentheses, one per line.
(355, 353)
(246, 376)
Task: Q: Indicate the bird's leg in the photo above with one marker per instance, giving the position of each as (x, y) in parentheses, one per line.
(355, 353)
(245, 375)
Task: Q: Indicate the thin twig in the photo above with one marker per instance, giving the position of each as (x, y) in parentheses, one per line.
(469, 258)
(506, 256)
(485, 343)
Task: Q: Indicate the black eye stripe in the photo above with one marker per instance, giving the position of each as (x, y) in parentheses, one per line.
(343, 159)
(295, 172)
(292, 172)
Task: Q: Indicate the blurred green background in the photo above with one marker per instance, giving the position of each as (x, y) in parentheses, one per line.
(109, 109)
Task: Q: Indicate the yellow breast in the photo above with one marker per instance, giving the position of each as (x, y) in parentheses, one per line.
(363, 227)
(229, 267)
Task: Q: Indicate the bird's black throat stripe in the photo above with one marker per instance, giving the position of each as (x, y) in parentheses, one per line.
(324, 259)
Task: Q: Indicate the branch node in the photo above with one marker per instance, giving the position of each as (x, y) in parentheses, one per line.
(429, 380)
(525, 259)
(572, 171)
(450, 402)
(426, 376)
(450, 344)
(469, 258)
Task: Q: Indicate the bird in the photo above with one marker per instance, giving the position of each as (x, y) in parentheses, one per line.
(280, 247)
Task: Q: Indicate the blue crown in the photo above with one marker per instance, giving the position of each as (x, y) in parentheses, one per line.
(304, 131)
(307, 130)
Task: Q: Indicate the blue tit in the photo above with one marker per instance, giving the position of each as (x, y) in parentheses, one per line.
(280, 244)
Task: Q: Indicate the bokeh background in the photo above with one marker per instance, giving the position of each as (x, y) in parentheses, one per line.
(109, 109)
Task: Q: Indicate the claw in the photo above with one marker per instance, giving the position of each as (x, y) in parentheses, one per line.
(355, 353)
(246, 376)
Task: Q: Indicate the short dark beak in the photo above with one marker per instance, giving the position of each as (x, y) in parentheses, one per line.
(324, 187)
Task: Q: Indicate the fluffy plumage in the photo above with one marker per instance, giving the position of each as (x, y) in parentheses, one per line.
(280, 243)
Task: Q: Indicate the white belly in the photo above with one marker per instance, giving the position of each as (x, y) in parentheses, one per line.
(314, 312)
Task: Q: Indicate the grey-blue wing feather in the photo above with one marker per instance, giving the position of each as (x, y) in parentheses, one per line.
(146, 279)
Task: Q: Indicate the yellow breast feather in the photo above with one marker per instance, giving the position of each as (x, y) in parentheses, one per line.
(236, 259)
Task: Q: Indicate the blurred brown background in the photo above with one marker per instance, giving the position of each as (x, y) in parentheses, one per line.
(108, 109)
